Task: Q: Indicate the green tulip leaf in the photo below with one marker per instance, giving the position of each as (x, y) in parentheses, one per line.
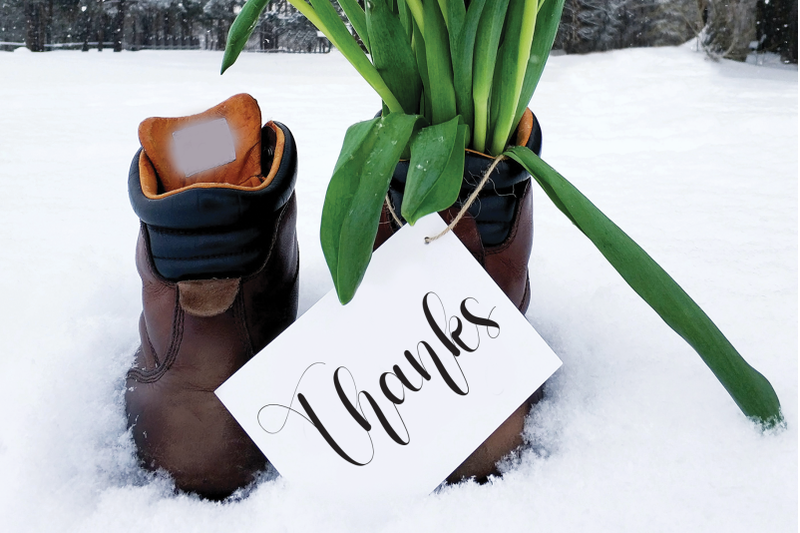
(355, 195)
(240, 31)
(392, 55)
(547, 21)
(421, 55)
(405, 18)
(510, 71)
(462, 48)
(749, 389)
(487, 42)
(440, 67)
(357, 17)
(435, 170)
(454, 14)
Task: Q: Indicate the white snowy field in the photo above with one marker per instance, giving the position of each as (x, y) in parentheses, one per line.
(696, 160)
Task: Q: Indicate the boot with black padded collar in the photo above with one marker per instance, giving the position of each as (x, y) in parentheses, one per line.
(218, 258)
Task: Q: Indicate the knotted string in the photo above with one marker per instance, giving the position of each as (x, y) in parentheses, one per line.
(464, 208)
(391, 212)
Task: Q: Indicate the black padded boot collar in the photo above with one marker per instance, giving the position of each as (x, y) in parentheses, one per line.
(497, 202)
(213, 207)
(214, 232)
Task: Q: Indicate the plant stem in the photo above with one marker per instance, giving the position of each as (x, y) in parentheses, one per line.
(443, 7)
(440, 67)
(416, 11)
(508, 104)
(357, 18)
(486, 44)
(547, 21)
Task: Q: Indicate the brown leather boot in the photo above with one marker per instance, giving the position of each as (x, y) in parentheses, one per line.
(218, 258)
(498, 231)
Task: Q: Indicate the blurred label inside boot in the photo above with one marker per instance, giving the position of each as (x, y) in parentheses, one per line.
(386, 396)
(203, 146)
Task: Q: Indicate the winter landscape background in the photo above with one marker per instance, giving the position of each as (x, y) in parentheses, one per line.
(695, 159)
(726, 28)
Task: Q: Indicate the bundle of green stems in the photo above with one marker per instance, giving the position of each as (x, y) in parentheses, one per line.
(453, 75)
(478, 60)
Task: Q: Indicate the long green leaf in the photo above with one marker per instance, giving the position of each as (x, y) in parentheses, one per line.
(454, 12)
(357, 17)
(405, 18)
(515, 52)
(505, 73)
(547, 21)
(355, 195)
(416, 8)
(440, 68)
(421, 54)
(749, 389)
(392, 55)
(322, 14)
(435, 170)
(462, 48)
(486, 45)
(240, 31)
(443, 8)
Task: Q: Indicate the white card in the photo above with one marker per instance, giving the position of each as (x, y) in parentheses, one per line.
(203, 146)
(297, 399)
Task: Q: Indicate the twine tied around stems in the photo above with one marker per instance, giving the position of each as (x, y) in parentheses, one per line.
(464, 208)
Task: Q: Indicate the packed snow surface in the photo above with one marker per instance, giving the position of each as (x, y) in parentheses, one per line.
(694, 159)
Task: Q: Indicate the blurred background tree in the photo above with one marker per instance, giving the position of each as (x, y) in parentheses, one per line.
(730, 28)
(776, 27)
(597, 25)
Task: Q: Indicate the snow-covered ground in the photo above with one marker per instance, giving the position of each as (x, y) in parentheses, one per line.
(696, 160)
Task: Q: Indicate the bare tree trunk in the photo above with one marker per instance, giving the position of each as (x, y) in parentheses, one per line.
(134, 36)
(87, 27)
(119, 26)
(48, 26)
(791, 53)
(776, 28)
(35, 25)
(730, 28)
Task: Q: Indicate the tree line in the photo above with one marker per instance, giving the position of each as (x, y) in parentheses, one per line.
(724, 28)
(44, 25)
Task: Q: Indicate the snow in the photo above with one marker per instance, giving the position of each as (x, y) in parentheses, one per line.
(696, 160)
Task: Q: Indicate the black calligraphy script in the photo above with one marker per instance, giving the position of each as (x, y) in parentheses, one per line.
(455, 334)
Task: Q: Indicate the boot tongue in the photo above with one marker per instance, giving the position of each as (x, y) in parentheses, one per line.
(221, 145)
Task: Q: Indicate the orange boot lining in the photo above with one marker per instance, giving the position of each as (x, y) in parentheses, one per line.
(149, 179)
(159, 177)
